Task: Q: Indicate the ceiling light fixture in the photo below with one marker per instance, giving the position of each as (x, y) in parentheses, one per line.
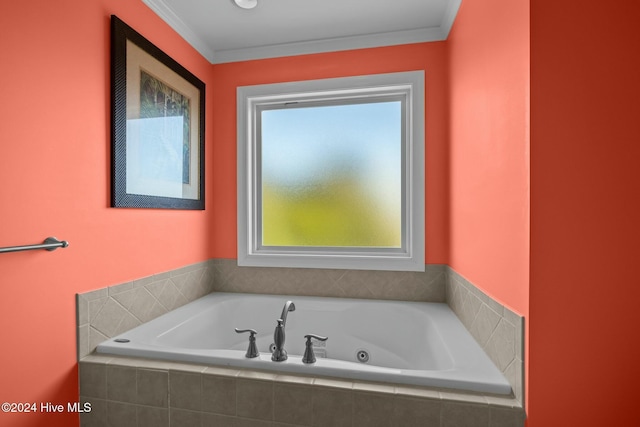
(246, 4)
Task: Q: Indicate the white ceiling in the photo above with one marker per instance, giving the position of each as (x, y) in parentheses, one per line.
(223, 32)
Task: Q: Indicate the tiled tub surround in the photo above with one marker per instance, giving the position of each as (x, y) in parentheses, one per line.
(107, 312)
(139, 392)
(127, 392)
(427, 286)
(498, 330)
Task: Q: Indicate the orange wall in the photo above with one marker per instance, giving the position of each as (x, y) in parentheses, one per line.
(585, 222)
(489, 137)
(430, 57)
(54, 170)
(580, 294)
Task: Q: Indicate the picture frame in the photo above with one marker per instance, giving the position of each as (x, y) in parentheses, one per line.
(157, 133)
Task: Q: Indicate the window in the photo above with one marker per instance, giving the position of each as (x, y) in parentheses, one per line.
(331, 173)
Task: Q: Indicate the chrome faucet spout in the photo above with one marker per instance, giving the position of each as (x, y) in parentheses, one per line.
(288, 306)
(279, 354)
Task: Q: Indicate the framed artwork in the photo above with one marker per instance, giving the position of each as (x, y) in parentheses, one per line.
(157, 133)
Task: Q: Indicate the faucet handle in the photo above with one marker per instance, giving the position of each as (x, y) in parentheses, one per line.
(318, 337)
(252, 351)
(252, 332)
(309, 356)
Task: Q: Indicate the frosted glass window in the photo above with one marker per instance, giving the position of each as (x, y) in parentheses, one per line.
(332, 175)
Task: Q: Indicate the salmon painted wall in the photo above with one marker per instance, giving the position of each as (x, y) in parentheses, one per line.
(430, 57)
(54, 170)
(489, 137)
(585, 221)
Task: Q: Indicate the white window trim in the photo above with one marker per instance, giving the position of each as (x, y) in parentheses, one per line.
(411, 256)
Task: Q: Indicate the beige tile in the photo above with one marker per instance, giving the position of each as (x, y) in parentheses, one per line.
(246, 422)
(515, 375)
(368, 283)
(125, 298)
(493, 304)
(114, 290)
(372, 410)
(196, 275)
(464, 415)
(96, 358)
(153, 387)
(373, 387)
(221, 372)
(152, 417)
(256, 375)
(82, 341)
(167, 294)
(332, 407)
(184, 418)
(127, 323)
(96, 305)
(511, 317)
(161, 277)
(431, 286)
(187, 367)
(506, 402)
(109, 317)
(518, 388)
(96, 294)
(97, 417)
(254, 399)
(134, 362)
(179, 278)
(188, 288)
(121, 414)
(292, 404)
(471, 307)
(333, 383)
(155, 310)
(82, 310)
(501, 345)
(185, 390)
(219, 394)
(457, 296)
(140, 304)
(197, 265)
(503, 417)
(215, 420)
(93, 380)
(419, 392)
(408, 412)
(184, 270)
(485, 323)
(294, 379)
(520, 334)
(121, 383)
(452, 395)
(144, 281)
(427, 286)
(156, 364)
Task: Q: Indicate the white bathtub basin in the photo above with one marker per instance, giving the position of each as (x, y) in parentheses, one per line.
(408, 343)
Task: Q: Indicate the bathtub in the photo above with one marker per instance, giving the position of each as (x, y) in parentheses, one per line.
(422, 344)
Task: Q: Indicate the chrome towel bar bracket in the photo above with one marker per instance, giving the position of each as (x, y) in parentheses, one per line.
(49, 244)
